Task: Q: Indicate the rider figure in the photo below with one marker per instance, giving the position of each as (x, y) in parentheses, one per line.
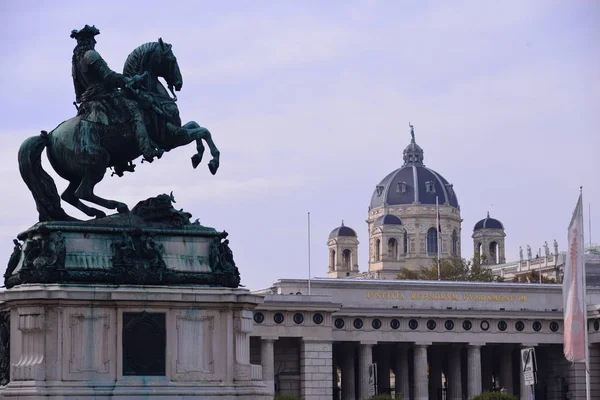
(96, 89)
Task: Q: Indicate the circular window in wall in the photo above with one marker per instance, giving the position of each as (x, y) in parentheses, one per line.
(395, 324)
(358, 323)
(502, 325)
(537, 326)
(413, 324)
(449, 325)
(596, 325)
(519, 325)
(376, 323)
(259, 317)
(554, 326)
(467, 325)
(318, 318)
(298, 318)
(484, 325)
(431, 324)
(278, 318)
(339, 323)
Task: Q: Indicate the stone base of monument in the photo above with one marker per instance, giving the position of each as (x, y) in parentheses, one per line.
(144, 303)
(118, 342)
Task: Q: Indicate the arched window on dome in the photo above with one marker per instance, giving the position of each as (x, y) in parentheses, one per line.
(405, 240)
(432, 242)
(378, 250)
(346, 259)
(454, 243)
(332, 260)
(493, 253)
(393, 249)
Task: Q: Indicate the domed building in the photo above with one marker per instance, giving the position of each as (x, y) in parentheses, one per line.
(488, 239)
(402, 221)
(354, 334)
(343, 252)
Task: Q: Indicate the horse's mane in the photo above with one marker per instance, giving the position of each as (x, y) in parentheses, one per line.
(138, 58)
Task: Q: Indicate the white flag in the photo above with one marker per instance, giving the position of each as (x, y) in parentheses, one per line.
(573, 288)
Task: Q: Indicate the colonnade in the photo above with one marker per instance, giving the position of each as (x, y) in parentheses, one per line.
(422, 371)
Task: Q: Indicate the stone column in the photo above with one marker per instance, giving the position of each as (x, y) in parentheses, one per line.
(383, 369)
(435, 373)
(31, 364)
(454, 374)
(402, 383)
(315, 370)
(365, 358)
(243, 323)
(506, 380)
(420, 372)
(348, 382)
(267, 360)
(473, 370)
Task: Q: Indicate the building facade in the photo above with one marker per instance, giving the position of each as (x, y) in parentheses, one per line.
(360, 332)
(428, 339)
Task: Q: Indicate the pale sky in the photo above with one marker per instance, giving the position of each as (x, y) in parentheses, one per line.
(309, 103)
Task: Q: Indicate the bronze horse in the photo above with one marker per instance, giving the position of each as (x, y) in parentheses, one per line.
(146, 63)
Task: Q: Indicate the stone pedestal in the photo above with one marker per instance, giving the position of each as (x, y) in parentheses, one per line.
(118, 342)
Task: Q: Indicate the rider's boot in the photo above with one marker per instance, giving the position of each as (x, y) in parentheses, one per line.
(148, 148)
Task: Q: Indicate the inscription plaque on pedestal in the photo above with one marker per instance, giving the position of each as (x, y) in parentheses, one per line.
(144, 341)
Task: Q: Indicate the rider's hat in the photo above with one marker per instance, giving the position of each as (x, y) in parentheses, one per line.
(87, 32)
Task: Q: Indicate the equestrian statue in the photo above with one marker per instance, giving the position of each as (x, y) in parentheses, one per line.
(120, 117)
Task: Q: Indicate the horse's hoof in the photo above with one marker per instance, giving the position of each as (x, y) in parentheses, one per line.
(99, 214)
(196, 159)
(213, 166)
(122, 208)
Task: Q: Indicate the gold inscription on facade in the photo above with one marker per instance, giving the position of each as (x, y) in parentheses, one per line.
(385, 295)
(445, 296)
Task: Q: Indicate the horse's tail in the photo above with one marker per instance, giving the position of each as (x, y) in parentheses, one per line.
(38, 181)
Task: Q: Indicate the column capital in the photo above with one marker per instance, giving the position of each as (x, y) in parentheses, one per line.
(477, 344)
(422, 344)
(269, 338)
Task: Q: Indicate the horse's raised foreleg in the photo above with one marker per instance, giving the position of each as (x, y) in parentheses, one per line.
(70, 197)
(200, 133)
(197, 158)
(85, 191)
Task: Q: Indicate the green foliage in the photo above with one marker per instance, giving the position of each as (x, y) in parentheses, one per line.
(494, 396)
(452, 269)
(532, 277)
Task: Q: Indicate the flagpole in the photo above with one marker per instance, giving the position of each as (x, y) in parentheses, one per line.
(309, 253)
(590, 222)
(585, 320)
(437, 217)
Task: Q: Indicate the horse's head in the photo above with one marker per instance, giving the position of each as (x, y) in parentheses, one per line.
(158, 59)
(168, 67)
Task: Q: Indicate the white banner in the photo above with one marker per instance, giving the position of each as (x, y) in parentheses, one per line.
(573, 290)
